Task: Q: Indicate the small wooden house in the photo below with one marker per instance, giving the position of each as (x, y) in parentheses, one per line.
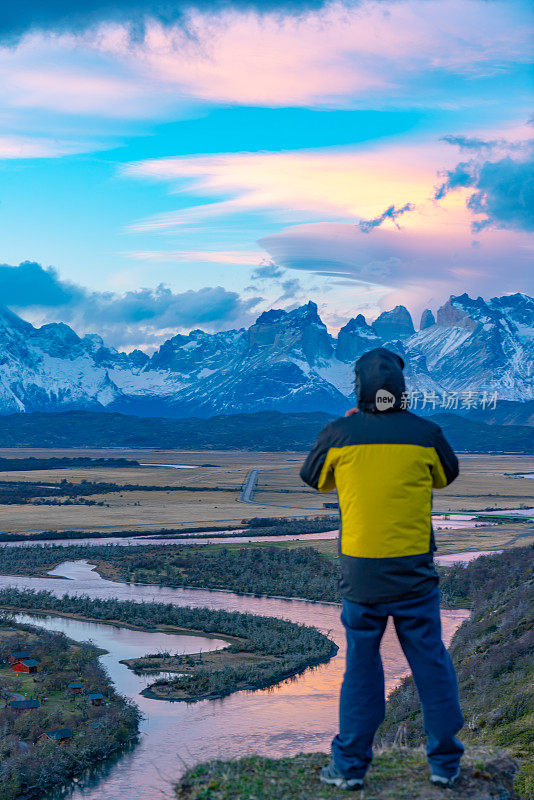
(28, 665)
(58, 735)
(96, 699)
(76, 687)
(18, 655)
(24, 705)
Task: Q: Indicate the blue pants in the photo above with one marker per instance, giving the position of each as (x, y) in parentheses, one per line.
(362, 704)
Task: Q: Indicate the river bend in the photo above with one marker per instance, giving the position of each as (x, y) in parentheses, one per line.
(298, 715)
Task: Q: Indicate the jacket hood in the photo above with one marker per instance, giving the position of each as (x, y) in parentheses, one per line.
(379, 380)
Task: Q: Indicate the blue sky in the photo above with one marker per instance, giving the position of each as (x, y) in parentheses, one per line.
(200, 168)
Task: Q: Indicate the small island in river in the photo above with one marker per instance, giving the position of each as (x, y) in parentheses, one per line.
(262, 651)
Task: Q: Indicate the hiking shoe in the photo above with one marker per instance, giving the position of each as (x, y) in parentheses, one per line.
(331, 776)
(443, 782)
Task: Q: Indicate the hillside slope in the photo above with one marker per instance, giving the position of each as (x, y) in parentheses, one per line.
(493, 655)
(267, 430)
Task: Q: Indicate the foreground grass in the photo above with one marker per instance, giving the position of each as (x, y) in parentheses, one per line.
(396, 774)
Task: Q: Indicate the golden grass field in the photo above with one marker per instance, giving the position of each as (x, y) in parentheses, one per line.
(483, 484)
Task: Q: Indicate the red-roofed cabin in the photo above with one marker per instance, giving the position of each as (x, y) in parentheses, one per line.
(96, 699)
(25, 665)
(18, 655)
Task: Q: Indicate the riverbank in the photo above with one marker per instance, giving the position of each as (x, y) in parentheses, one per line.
(201, 675)
(31, 761)
(261, 652)
(255, 526)
(288, 569)
(294, 716)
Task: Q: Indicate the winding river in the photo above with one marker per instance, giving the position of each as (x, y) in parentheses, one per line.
(439, 522)
(298, 715)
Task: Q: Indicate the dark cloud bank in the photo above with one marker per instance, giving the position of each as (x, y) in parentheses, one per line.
(133, 318)
(18, 18)
(503, 188)
(392, 213)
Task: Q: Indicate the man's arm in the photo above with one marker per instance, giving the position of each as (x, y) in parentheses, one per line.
(447, 468)
(315, 470)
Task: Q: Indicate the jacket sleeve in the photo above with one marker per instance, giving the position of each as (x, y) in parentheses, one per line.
(315, 471)
(447, 467)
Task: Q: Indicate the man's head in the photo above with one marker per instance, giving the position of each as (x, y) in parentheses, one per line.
(378, 380)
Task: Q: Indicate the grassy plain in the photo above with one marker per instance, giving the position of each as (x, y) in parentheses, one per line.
(152, 510)
(485, 483)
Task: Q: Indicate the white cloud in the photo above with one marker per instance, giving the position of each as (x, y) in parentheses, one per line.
(12, 147)
(247, 257)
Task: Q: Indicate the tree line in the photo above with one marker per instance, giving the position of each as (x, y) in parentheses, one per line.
(31, 463)
(24, 492)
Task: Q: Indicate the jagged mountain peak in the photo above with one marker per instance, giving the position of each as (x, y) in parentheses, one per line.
(60, 330)
(272, 317)
(138, 358)
(394, 324)
(9, 321)
(519, 307)
(355, 338)
(457, 312)
(298, 334)
(307, 313)
(357, 323)
(427, 319)
(464, 311)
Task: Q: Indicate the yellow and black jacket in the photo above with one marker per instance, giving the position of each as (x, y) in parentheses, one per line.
(384, 465)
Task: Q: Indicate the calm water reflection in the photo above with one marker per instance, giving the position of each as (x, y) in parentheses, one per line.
(300, 714)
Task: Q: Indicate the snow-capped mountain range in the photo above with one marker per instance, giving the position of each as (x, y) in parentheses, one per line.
(286, 361)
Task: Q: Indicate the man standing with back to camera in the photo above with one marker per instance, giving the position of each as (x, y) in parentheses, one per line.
(384, 462)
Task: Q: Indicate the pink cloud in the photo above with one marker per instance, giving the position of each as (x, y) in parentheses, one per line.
(334, 183)
(335, 54)
(367, 53)
(414, 267)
